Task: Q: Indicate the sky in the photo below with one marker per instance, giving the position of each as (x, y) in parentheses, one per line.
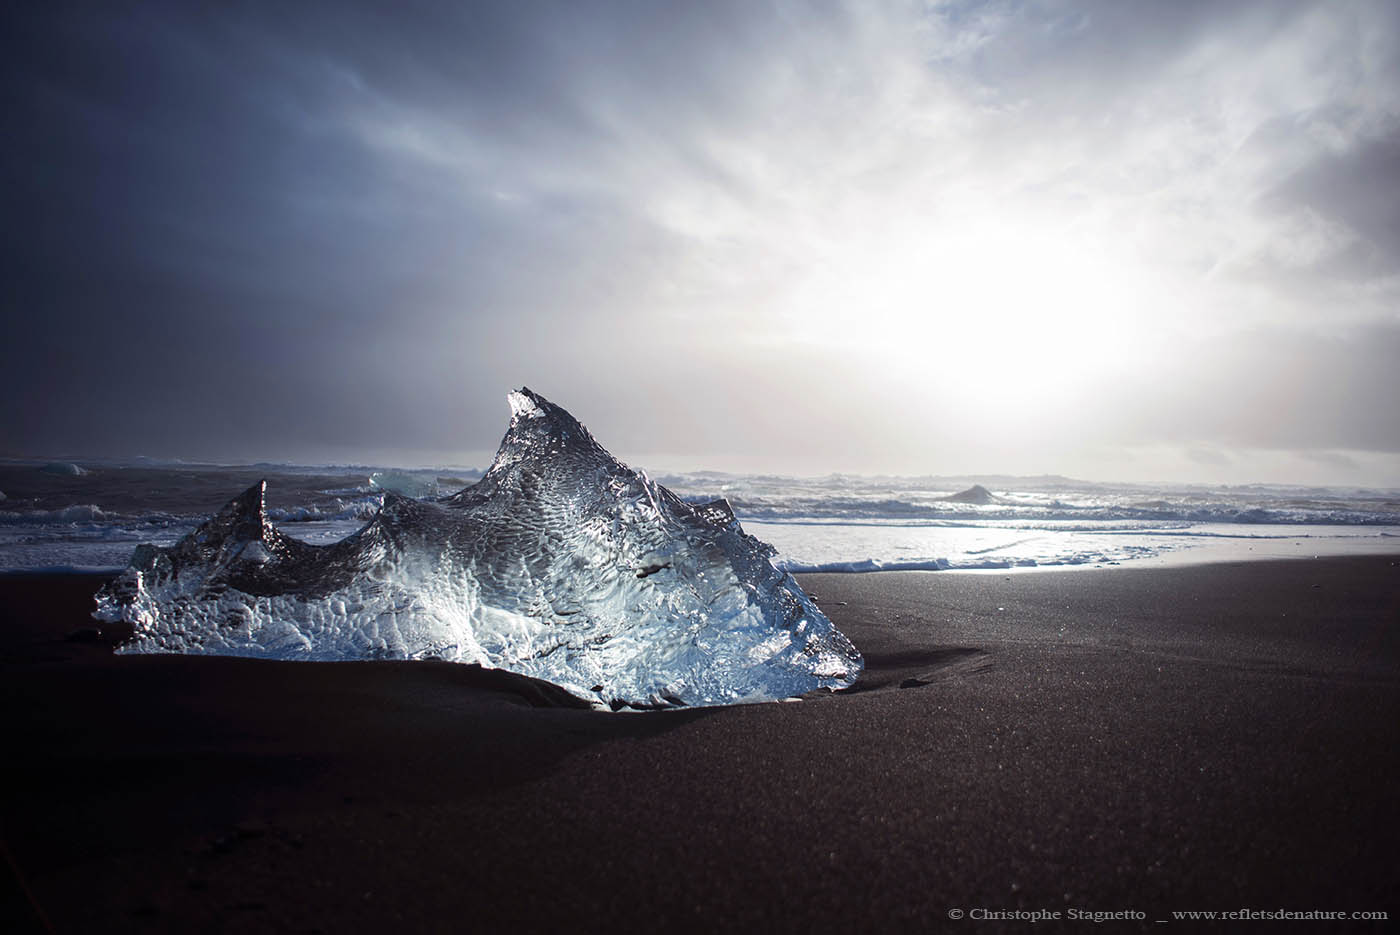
(1114, 240)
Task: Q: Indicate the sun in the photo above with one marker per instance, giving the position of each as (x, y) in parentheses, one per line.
(1012, 319)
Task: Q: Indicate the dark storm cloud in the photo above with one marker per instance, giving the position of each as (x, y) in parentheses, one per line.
(232, 219)
(184, 226)
(166, 180)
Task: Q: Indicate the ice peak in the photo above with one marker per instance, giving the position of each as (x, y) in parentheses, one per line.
(524, 404)
(247, 512)
(533, 416)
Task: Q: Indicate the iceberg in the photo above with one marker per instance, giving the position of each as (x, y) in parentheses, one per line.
(63, 469)
(561, 563)
(976, 494)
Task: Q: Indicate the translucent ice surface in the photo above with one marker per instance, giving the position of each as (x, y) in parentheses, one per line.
(561, 563)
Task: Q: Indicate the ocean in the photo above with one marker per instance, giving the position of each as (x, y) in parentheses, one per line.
(89, 516)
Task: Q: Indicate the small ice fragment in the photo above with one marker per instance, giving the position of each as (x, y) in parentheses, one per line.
(63, 469)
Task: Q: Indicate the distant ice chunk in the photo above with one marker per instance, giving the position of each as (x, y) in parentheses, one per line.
(561, 563)
(976, 494)
(63, 468)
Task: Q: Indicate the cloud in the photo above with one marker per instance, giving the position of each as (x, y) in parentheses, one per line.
(712, 228)
(1356, 187)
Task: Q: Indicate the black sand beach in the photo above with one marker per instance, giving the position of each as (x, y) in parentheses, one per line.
(1217, 737)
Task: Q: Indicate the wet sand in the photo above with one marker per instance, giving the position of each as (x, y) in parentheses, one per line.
(1157, 739)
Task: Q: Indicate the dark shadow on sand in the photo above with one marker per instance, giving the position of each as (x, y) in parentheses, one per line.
(918, 667)
(120, 748)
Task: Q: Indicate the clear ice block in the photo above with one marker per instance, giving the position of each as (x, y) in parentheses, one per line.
(561, 563)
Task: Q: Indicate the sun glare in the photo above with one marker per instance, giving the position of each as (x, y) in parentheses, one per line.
(1009, 319)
